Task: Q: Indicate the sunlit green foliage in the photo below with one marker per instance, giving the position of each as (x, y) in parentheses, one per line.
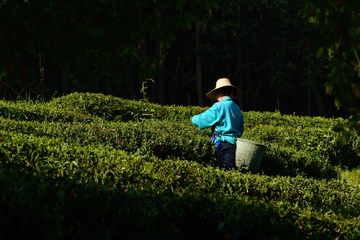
(94, 165)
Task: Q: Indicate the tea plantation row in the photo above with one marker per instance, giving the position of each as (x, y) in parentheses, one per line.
(178, 140)
(297, 145)
(95, 166)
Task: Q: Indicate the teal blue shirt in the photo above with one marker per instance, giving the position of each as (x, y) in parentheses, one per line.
(226, 116)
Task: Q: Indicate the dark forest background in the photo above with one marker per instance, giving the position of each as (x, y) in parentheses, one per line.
(294, 56)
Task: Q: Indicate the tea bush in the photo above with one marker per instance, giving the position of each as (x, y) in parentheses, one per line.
(254, 119)
(99, 164)
(40, 112)
(37, 207)
(117, 109)
(163, 139)
(94, 166)
(171, 139)
(226, 203)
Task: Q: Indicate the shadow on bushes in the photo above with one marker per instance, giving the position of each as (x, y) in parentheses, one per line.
(37, 207)
(345, 157)
(281, 165)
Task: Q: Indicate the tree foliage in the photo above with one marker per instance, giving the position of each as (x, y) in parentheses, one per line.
(93, 37)
(336, 35)
(265, 47)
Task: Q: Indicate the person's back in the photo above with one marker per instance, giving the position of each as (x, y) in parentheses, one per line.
(232, 118)
(226, 120)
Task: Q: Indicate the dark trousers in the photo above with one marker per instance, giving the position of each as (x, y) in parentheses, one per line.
(225, 156)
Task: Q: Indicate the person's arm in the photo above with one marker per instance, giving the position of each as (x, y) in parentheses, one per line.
(206, 119)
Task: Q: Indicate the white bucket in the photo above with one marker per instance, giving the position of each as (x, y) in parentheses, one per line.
(248, 154)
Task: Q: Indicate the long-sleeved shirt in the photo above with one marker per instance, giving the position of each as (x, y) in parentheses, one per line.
(226, 117)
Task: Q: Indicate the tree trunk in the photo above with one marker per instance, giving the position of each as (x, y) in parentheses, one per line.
(66, 86)
(162, 57)
(249, 80)
(317, 96)
(129, 79)
(141, 40)
(154, 93)
(277, 104)
(88, 80)
(238, 74)
(225, 42)
(309, 99)
(318, 99)
(198, 65)
(161, 78)
(41, 74)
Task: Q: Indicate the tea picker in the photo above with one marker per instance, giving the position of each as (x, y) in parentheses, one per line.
(227, 124)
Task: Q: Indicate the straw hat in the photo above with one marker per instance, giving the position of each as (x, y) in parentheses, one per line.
(220, 83)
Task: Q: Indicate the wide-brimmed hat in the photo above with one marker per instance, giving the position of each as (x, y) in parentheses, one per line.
(220, 83)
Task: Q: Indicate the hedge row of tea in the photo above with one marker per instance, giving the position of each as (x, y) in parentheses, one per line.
(101, 164)
(57, 208)
(96, 166)
(178, 140)
(296, 145)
